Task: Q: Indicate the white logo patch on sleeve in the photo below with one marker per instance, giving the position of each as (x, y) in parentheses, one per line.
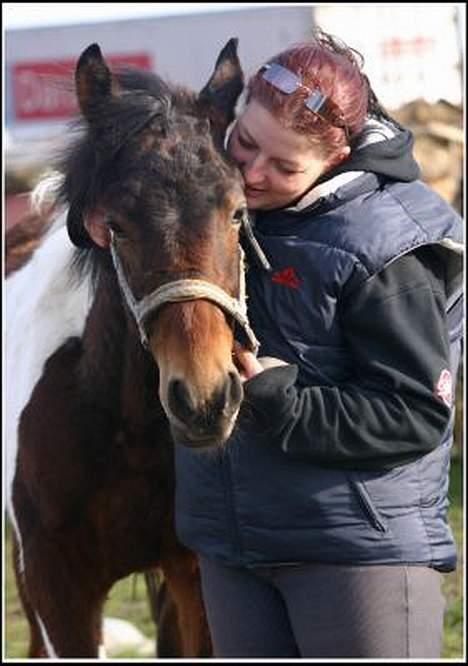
(443, 387)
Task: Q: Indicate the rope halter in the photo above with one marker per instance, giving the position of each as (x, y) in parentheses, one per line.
(185, 290)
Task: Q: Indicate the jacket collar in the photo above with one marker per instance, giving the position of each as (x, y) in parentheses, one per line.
(323, 190)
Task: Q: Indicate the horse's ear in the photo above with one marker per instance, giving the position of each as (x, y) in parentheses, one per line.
(76, 229)
(89, 229)
(95, 86)
(218, 98)
(95, 225)
(94, 82)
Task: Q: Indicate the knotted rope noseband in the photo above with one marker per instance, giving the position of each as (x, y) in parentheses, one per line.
(185, 290)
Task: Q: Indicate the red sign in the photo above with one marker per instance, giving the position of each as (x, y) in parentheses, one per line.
(417, 46)
(45, 90)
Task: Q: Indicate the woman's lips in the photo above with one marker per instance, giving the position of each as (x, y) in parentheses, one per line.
(253, 192)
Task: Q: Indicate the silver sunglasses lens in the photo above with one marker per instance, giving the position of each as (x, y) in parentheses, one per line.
(281, 78)
(315, 101)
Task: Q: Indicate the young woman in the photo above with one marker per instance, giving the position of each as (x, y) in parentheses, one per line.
(321, 526)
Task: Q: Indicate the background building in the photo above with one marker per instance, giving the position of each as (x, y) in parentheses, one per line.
(40, 61)
(412, 52)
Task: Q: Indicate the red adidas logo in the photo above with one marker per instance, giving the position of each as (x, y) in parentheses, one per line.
(287, 277)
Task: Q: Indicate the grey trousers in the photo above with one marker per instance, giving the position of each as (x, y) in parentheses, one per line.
(319, 610)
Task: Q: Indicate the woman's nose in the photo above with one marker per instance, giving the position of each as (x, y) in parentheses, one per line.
(253, 170)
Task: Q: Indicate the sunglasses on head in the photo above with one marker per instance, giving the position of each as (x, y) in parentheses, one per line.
(288, 82)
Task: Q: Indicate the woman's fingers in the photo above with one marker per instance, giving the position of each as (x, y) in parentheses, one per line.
(246, 362)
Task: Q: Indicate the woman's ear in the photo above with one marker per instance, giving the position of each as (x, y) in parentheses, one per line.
(340, 156)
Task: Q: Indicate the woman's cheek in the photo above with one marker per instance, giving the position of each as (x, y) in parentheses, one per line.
(237, 154)
(233, 145)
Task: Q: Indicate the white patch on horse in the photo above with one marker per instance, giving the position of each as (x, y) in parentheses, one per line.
(43, 309)
(45, 637)
(44, 195)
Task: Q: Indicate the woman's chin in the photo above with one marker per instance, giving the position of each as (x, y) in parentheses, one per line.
(256, 199)
(262, 200)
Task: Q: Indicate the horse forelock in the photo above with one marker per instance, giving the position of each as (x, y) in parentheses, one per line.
(108, 122)
(151, 139)
(147, 117)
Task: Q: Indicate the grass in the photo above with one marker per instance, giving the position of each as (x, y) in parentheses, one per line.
(127, 599)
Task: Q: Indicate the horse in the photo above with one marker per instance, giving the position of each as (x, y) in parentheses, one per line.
(22, 239)
(151, 301)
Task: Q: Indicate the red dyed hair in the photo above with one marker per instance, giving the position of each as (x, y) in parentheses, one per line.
(333, 67)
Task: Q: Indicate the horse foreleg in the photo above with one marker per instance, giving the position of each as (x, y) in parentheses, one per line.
(164, 615)
(66, 600)
(182, 599)
(36, 644)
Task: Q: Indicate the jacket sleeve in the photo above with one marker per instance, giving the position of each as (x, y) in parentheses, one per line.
(396, 406)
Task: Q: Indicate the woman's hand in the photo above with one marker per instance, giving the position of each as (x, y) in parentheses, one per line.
(249, 365)
(246, 362)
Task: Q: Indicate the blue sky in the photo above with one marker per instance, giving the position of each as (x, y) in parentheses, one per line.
(31, 14)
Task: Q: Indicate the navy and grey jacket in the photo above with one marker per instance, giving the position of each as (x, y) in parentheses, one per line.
(342, 456)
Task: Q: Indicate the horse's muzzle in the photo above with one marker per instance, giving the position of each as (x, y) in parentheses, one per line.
(208, 423)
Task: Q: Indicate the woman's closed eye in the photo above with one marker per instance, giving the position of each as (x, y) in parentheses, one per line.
(245, 143)
(288, 170)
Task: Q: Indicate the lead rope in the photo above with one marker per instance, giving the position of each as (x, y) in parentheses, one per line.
(254, 244)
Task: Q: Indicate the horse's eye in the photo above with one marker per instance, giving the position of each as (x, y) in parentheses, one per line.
(239, 215)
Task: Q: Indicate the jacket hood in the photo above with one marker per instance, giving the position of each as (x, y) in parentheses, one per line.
(384, 149)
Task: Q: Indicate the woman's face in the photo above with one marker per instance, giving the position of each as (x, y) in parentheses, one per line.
(277, 163)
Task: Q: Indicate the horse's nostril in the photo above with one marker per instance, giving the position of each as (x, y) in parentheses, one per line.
(180, 401)
(210, 414)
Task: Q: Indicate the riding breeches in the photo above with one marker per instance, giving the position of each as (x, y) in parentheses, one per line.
(319, 610)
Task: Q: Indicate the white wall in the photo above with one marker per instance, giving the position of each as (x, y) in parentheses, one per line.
(411, 50)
